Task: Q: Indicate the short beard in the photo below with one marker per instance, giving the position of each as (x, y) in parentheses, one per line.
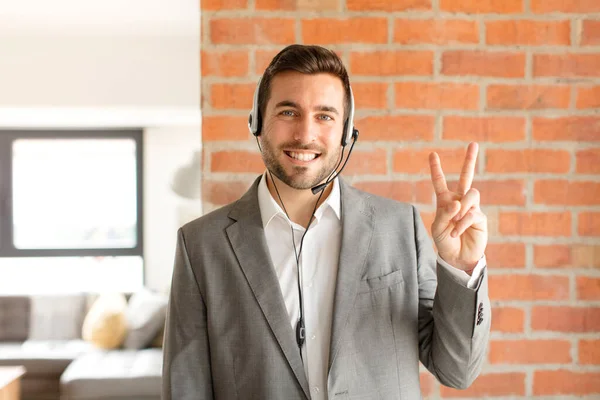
(297, 180)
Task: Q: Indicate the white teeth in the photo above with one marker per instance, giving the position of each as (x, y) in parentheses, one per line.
(302, 156)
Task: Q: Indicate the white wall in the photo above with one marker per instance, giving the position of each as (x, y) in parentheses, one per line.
(130, 75)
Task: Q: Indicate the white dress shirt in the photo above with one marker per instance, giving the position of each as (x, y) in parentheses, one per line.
(318, 272)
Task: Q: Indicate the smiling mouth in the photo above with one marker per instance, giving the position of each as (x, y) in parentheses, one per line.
(301, 156)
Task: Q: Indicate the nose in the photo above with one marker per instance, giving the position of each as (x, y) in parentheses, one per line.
(304, 131)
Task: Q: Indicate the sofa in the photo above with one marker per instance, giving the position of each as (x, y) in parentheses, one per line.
(47, 335)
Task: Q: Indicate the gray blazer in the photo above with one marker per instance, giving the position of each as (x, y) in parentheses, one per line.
(228, 334)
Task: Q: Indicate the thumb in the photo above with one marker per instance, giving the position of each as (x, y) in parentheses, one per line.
(444, 214)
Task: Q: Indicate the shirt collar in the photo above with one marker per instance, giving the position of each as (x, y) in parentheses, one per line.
(269, 207)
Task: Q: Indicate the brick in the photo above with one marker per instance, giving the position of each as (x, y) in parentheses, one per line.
(527, 97)
(385, 5)
(508, 319)
(349, 30)
(416, 161)
(535, 223)
(483, 63)
(576, 129)
(536, 351)
(370, 95)
(232, 95)
(563, 192)
(528, 160)
(217, 127)
(586, 256)
(297, 5)
(566, 256)
(252, 30)
(529, 287)
(367, 162)
(262, 59)
(566, 6)
(236, 161)
(214, 5)
(493, 384)
(589, 223)
(226, 64)
(588, 97)
(552, 256)
(566, 65)
(484, 129)
(589, 351)
(533, 33)
(565, 319)
(482, 6)
(405, 191)
(223, 192)
(587, 161)
(427, 382)
(389, 63)
(435, 31)
(434, 96)
(396, 127)
(506, 255)
(501, 192)
(588, 288)
(565, 382)
(590, 33)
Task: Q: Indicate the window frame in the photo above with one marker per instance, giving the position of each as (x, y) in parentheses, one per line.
(7, 137)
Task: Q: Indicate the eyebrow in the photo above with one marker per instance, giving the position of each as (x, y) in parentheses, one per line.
(288, 103)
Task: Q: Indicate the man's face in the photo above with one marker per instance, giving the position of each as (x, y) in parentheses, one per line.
(302, 128)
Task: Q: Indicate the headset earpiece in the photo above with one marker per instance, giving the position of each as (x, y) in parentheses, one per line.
(349, 124)
(254, 119)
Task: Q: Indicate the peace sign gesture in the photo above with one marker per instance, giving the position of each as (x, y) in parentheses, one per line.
(460, 228)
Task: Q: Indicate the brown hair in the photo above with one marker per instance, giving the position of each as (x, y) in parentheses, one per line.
(306, 60)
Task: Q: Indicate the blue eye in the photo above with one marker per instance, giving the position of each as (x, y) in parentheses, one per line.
(325, 117)
(288, 113)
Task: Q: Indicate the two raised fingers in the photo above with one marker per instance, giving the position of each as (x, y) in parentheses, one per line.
(466, 174)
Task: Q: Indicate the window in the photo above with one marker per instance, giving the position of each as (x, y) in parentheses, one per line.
(71, 201)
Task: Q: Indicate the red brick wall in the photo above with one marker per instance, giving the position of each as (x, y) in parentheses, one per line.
(521, 77)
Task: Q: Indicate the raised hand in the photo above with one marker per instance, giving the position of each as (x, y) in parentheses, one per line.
(459, 229)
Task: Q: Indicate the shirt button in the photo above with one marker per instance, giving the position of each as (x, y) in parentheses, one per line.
(316, 389)
(313, 337)
(309, 285)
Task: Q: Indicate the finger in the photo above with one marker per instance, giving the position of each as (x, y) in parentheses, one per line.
(444, 215)
(468, 168)
(437, 175)
(470, 200)
(471, 218)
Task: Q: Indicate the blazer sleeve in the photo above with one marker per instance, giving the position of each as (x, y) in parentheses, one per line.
(454, 320)
(186, 366)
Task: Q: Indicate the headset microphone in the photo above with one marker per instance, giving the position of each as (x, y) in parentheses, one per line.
(320, 187)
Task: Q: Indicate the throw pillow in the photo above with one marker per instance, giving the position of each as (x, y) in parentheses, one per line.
(145, 316)
(105, 325)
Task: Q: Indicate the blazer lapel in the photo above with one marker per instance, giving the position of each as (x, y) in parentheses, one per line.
(249, 245)
(357, 230)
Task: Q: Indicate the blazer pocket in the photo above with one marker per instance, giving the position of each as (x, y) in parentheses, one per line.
(382, 282)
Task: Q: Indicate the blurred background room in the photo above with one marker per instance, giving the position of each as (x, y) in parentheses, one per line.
(99, 165)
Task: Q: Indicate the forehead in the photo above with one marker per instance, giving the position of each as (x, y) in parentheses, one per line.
(307, 89)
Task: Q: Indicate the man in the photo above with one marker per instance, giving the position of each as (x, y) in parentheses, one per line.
(288, 294)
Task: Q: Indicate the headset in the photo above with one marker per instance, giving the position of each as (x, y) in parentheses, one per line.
(350, 134)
